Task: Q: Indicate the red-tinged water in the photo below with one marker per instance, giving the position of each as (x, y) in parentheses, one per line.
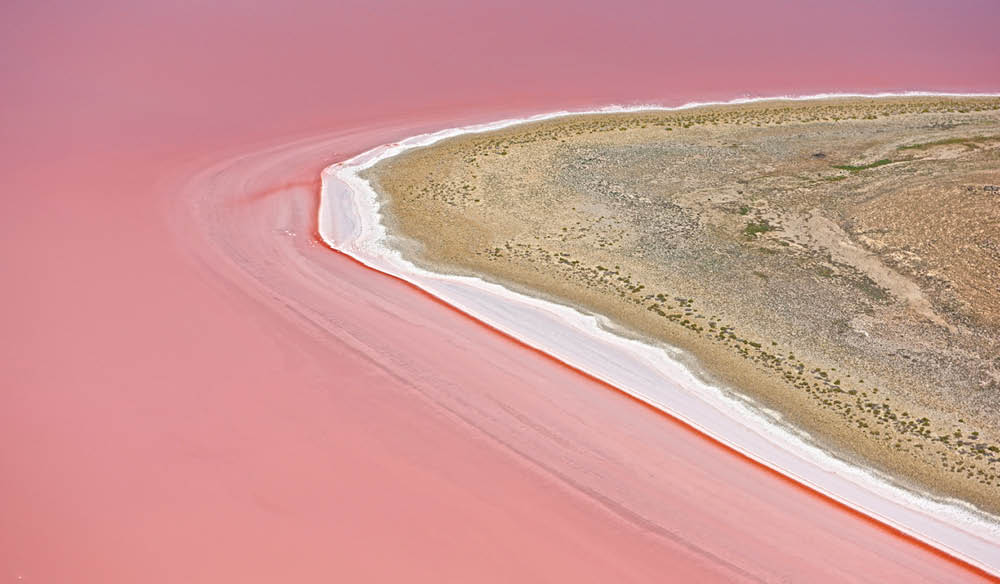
(195, 390)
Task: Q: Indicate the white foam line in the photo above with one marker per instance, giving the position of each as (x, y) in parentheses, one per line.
(350, 221)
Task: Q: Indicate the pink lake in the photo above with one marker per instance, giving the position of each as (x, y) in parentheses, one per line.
(195, 390)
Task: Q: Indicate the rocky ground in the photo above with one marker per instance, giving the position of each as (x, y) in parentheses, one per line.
(835, 260)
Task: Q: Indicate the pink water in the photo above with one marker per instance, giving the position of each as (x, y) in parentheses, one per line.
(192, 393)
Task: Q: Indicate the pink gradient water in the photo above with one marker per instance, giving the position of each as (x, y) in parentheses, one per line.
(192, 393)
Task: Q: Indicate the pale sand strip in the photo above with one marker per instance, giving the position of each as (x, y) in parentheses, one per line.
(350, 221)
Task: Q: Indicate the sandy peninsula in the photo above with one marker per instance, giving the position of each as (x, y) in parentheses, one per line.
(834, 260)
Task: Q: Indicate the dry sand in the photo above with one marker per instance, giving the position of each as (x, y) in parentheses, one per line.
(834, 260)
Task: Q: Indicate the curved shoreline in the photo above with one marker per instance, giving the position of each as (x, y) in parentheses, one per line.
(349, 221)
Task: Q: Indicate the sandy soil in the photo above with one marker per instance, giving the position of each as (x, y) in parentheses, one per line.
(854, 300)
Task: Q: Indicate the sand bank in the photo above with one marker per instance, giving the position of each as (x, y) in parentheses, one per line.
(350, 221)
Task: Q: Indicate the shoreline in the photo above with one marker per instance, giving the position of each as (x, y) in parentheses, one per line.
(703, 407)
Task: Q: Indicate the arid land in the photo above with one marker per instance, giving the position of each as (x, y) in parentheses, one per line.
(837, 261)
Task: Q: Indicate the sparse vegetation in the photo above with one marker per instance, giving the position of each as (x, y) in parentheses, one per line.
(861, 167)
(755, 228)
(670, 234)
(967, 142)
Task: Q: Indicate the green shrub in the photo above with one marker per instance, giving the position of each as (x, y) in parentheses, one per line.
(755, 228)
